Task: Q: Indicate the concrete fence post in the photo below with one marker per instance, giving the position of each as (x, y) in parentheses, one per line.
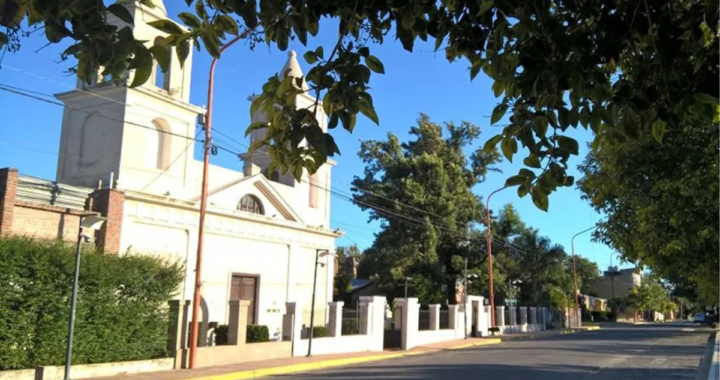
(335, 318)
(374, 309)
(434, 317)
(237, 322)
(178, 330)
(453, 314)
(482, 319)
(410, 309)
(500, 316)
(523, 316)
(288, 321)
(513, 316)
(533, 316)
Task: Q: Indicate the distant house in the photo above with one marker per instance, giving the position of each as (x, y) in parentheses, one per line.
(357, 287)
(617, 283)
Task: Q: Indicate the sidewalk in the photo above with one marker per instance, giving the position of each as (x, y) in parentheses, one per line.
(263, 368)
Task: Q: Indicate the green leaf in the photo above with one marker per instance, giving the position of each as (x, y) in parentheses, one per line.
(705, 98)
(475, 68)
(228, 24)
(211, 44)
(522, 191)
(319, 52)
(574, 115)
(3, 39)
(498, 113)
(498, 88)
(532, 161)
(310, 57)
(485, 6)
(515, 181)
(162, 56)
(408, 18)
(508, 147)
(121, 12)
(527, 173)
(189, 19)
(492, 143)
(364, 51)
(366, 108)
(658, 130)
(183, 51)
(539, 198)
(142, 64)
(166, 26)
(374, 64)
(567, 144)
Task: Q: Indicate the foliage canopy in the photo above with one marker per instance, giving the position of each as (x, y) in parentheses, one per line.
(623, 69)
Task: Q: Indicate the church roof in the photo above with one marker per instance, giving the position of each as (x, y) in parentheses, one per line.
(293, 65)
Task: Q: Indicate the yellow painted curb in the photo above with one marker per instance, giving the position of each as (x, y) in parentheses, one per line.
(592, 328)
(303, 367)
(484, 342)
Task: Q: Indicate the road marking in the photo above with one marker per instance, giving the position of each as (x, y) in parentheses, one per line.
(688, 329)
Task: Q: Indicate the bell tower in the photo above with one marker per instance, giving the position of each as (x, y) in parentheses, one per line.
(131, 135)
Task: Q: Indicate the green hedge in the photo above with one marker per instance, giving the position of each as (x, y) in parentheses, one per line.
(257, 334)
(320, 331)
(350, 326)
(121, 313)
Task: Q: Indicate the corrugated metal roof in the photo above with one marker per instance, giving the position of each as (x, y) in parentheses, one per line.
(43, 191)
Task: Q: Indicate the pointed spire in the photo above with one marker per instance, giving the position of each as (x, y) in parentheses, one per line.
(293, 65)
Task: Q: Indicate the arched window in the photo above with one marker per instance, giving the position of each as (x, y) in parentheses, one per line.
(251, 203)
(157, 145)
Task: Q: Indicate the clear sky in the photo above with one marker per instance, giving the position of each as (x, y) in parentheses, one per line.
(422, 81)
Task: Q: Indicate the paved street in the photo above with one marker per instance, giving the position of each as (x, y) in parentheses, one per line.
(661, 351)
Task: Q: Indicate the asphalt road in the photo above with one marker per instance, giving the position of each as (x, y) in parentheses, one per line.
(661, 351)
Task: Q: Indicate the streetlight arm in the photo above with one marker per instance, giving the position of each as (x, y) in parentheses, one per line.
(489, 256)
(575, 287)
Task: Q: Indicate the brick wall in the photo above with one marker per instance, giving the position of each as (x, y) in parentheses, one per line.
(109, 203)
(8, 192)
(46, 222)
(20, 217)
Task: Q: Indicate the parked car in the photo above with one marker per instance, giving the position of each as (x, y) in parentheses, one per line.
(699, 318)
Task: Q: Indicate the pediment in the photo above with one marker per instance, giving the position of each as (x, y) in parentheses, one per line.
(228, 197)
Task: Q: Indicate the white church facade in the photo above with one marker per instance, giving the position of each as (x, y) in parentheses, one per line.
(261, 235)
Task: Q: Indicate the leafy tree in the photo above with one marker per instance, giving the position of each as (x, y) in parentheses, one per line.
(433, 176)
(650, 295)
(587, 274)
(623, 69)
(535, 255)
(343, 278)
(661, 203)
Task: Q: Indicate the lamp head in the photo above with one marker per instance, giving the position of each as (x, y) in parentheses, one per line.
(92, 222)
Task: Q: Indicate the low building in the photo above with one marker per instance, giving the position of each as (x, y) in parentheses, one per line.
(616, 283)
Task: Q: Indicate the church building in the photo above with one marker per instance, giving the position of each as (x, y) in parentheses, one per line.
(136, 146)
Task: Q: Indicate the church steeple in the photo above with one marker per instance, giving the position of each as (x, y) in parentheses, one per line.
(295, 71)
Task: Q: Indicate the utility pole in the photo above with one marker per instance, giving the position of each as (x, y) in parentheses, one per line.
(489, 254)
(203, 202)
(575, 287)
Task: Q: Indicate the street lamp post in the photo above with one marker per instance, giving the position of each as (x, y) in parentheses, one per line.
(489, 253)
(575, 288)
(88, 224)
(407, 279)
(318, 254)
(203, 201)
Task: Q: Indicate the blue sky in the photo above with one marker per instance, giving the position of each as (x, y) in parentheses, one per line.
(422, 81)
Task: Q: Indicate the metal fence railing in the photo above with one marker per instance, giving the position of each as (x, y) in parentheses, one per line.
(350, 321)
(507, 317)
(444, 319)
(424, 320)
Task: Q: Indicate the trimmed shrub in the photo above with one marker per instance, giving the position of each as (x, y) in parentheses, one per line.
(350, 326)
(257, 334)
(221, 335)
(320, 331)
(121, 315)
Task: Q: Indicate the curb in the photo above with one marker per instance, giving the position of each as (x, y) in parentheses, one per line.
(305, 367)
